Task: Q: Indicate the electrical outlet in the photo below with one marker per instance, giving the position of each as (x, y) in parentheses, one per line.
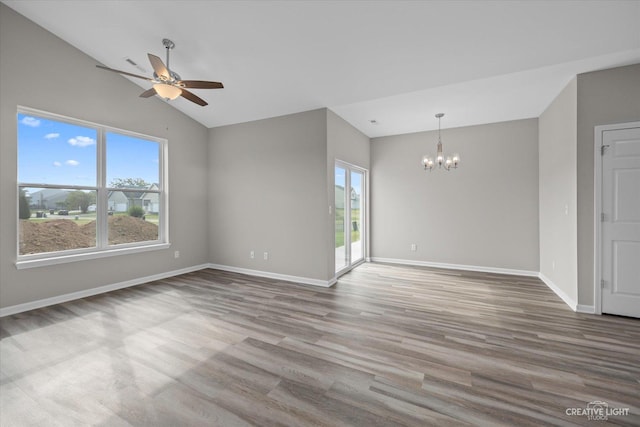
(252, 254)
(266, 256)
(176, 254)
(414, 247)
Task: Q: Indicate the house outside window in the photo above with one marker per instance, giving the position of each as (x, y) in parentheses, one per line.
(86, 190)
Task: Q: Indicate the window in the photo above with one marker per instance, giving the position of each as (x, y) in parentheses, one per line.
(87, 190)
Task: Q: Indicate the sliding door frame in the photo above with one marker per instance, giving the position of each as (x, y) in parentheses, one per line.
(364, 205)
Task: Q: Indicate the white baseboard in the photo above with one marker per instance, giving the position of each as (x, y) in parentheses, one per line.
(589, 309)
(458, 266)
(566, 298)
(277, 276)
(19, 308)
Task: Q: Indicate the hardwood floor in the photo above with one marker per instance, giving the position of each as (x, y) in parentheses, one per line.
(388, 345)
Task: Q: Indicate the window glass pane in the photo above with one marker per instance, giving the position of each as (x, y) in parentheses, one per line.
(54, 220)
(132, 162)
(357, 244)
(133, 216)
(54, 152)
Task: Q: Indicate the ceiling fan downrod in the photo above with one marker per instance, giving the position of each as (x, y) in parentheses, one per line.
(168, 44)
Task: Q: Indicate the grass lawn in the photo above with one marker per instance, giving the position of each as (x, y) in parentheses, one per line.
(339, 221)
(87, 217)
(82, 218)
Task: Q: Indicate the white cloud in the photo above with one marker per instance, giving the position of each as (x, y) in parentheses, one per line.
(72, 162)
(57, 164)
(82, 141)
(30, 121)
(51, 136)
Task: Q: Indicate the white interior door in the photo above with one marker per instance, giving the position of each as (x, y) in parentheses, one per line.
(621, 222)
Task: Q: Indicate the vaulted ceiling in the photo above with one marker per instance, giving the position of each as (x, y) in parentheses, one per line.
(396, 62)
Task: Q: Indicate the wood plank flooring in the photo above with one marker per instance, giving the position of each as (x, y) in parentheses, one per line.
(387, 346)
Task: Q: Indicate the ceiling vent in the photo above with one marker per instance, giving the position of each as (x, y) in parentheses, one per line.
(132, 62)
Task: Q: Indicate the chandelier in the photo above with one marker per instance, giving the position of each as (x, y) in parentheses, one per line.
(448, 163)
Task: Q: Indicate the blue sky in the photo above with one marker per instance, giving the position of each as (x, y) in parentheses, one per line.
(356, 179)
(356, 182)
(129, 157)
(53, 152)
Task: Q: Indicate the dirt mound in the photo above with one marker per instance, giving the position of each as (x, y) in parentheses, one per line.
(54, 235)
(127, 229)
(64, 234)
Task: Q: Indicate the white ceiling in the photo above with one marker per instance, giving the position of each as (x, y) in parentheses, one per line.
(396, 62)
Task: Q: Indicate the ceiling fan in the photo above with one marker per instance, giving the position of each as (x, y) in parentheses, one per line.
(167, 83)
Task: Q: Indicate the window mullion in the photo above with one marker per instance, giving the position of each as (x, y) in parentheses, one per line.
(102, 232)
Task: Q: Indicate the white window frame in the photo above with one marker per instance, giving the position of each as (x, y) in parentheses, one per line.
(102, 248)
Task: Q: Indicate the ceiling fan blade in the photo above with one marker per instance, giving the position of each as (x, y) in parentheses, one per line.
(200, 84)
(159, 67)
(124, 72)
(193, 98)
(148, 93)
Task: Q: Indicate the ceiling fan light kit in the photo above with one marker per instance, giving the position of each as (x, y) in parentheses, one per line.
(448, 162)
(167, 91)
(168, 84)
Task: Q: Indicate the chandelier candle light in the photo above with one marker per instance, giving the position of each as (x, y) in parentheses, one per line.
(450, 162)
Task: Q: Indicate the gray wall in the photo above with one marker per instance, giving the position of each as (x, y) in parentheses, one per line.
(268, 185)
(604, 97)
(268, 193)
(348, 144)
(558, 183)
(483, 214)
(41, 71)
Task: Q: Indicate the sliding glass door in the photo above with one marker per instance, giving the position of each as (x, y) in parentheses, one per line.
(356, 216)
(341, 247)
(349, 215)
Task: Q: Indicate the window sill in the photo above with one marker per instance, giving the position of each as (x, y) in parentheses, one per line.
(63, 259)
